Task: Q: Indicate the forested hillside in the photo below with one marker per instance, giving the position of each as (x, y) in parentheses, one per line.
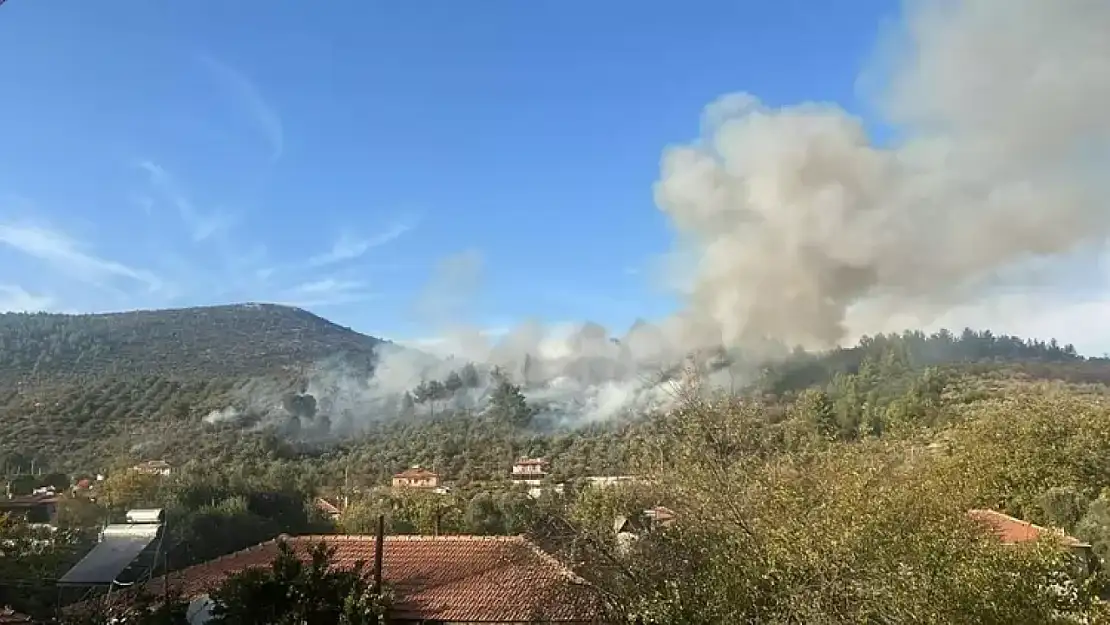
(188, 343)
(76, 390)
(81, 393)
(812, 475)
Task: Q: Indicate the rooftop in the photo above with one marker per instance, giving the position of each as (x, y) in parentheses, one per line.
(327, 507)
(1012, 530)
(416, 472)
(448, 578)
(8, 615)
(23, 501)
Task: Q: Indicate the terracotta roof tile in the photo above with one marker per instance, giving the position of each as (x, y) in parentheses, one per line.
(327, 507)
(1013, 530)
(450, 578)
(416, 472)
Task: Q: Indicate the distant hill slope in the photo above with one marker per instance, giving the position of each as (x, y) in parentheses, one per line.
(80, 392)
(202, 342)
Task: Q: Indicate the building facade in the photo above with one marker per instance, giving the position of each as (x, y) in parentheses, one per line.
(416, 477)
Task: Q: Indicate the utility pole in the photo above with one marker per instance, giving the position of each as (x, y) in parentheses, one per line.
(379, 549)
(347, 485)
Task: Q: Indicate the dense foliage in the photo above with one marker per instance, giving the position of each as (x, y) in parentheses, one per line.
(297, 592)
(77, 389)
(201, 342)
(834, 490)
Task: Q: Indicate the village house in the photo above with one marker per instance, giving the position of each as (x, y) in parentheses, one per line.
(628, 529)
(416, 477)
(448, 579)
(530, 471)
(1014, 531)
(153, 467)
(327, 508)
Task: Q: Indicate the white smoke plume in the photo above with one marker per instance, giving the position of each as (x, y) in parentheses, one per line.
(230, 413)
(799, 218)
(801, 228)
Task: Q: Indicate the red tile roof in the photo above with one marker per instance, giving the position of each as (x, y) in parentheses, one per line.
(1013, 530)
(416, 473)
(327, 507)
(449, 578)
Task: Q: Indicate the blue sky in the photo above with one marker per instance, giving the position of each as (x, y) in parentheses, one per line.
(334, 155)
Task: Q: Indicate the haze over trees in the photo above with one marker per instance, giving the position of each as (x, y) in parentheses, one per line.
(789, 498)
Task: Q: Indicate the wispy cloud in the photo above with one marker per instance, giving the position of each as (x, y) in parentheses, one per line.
(64, 253)
(348, 247)
(328, 292)
(14, 298)
(328, 285)
(250, 98)
(201, 225)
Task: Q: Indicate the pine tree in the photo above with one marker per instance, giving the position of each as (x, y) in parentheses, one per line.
(408, 404)
(507, 404)
(453, 383)
(819, 410)
(469, 376)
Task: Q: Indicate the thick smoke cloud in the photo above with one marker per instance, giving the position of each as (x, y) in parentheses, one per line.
(798, 225)
(798, 217)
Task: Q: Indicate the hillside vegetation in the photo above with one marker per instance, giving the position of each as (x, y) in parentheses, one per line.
(187, 343)
(834, 489)
(81, 393)
(77, 390)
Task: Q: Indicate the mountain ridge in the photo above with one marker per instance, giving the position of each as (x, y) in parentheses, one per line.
(202, 341)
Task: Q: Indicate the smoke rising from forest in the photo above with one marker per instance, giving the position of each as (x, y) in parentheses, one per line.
(797, 217)
(797, 225)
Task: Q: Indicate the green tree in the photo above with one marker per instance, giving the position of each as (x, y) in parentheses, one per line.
(59, 481)
(21, 485)
(848, 533)
(130, 489)
(817, 408)
(297, 592)
(1094, 527)
(483, 517)
(408, 404)
(144, 609)
(507, 404)
(80, 513)
(469, 376)
(453, 383)
(1062, 507)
